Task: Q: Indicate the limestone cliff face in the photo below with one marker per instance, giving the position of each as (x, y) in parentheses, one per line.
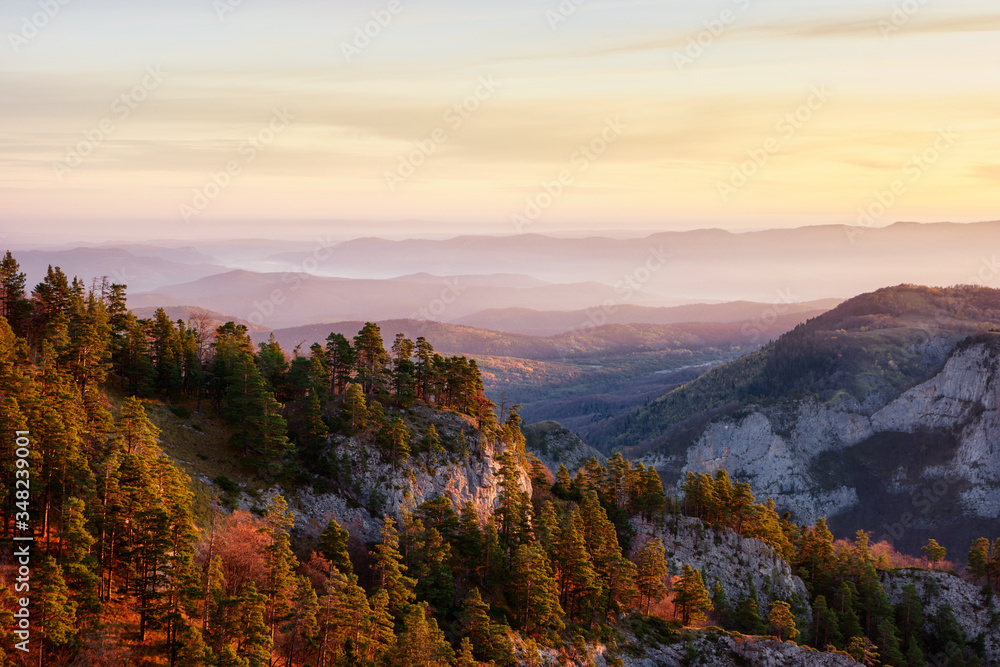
(936, 589)
(721, 555)
(732, 650)
(775, 448)
(378, 487)
(556, 445)
(772, 449)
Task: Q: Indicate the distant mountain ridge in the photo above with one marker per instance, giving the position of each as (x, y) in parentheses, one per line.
(551, 323)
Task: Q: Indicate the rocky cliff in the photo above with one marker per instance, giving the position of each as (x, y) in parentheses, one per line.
(721, 555)
(556, 445)
(925, 459)
(976, 614)
(374, 486)
(734, 650)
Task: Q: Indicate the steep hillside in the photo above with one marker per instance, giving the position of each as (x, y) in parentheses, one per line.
(556, 445)
(925, 465)
(867, 448)
(860, 355)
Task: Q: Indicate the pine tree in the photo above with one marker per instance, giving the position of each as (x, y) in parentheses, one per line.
(279, 588)
(54, 612)
(371, 358)
(80, 564)
(255, 641)
(316, 431)
(355, 408)
(261, 437)
(979, 559)
(691, 599)
(910, 613)
(934, 551)
(465, 657)
(421, 643)
(489, 641)
(850, 625)
(302, 624)
(651, 568)
(826, 631)
(782, 621)
(535, 595)
(435, 583)
(747, 614)
(389, 571)
(333, 546)
(579, 586)
(340, 360)
(862, 650)
(399, 441)
(193, 651)
(13, 305)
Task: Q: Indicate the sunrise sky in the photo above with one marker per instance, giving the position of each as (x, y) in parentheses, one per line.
(873, 87)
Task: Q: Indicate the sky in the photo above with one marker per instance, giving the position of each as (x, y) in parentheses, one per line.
(221, 118)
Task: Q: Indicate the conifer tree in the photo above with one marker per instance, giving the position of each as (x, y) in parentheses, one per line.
(13, 304)
(435, 583)
(389, 571)
(651, 568)
(193, 651)
(782, 621)
(579, 586)
(825, 628)
(333, 546)
(54, 613)
(302, 624)
(261, 436)
(691, 599)
(421, 643)
(979, 559)
(255, 641)
(747, 614)
(370, 358)
(356, 408)
(935, 552)
(535, 595)
(279, 589)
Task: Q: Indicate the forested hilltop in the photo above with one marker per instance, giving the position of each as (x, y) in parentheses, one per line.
(147, 437)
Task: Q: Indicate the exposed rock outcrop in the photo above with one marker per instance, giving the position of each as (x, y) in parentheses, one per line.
(721, 555)
(733, 650)
(377, 487)
(556, 445)
(775, 448)
(966, 600)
